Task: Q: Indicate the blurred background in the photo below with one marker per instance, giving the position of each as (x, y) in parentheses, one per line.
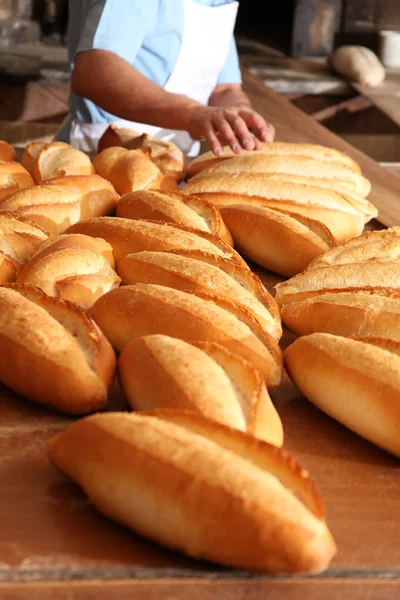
(287, 46)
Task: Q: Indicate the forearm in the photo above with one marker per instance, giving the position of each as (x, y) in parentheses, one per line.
(130, 95)
(229, 95)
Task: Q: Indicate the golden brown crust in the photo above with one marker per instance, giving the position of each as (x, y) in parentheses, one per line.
(13, 177)
(280, 241)
(165, 155)
(57, 159)
(127, 236)
(97, 195)
(189, 274)
(185, 477)
(145, 309)
(354, 382)
(72, 267)
(322, 205)
(276, 148)
(158, 371)
(7, 152)
(52, 352)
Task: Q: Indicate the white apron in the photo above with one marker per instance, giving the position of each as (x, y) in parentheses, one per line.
(204, 49)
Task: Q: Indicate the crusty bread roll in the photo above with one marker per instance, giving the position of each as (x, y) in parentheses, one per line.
(52, 353)
(78, 268)
(18, 238)
(355, 382)
(144, 309)
(304, 166)
(165, 155)
(192, 274)
(359, 64)
(7, 152)
(359, 312)
(158, 371)
(200, 487)
(131, 170)
(57, 206)
(361, 204)
(276, 148)
(281, 241)
(383, 244)
(32, 150)
(175, 208)
(55, 160)
(127, 236)
(97, 195)
(13, 177)
(325, 206)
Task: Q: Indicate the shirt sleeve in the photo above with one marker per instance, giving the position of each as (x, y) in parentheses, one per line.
(107, 27)
(230, 72)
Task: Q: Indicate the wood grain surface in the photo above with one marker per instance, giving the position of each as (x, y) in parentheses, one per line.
(54, 544)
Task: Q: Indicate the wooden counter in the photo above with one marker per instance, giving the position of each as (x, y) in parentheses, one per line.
(54, 545)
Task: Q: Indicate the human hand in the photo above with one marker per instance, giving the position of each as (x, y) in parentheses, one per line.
(240, 127)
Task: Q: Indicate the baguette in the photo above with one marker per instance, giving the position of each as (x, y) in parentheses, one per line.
(18, 238)
(275, 148)
(359, 312)
(191, 274)
(199, 487)
(51, 352)
(278, 240)
(369, 275)
(127, 236)
(57, 159)
(7, 152)
(32, 150)
(131, 170)
(165, 155)
(355, 382)
(382, 244)
(13, 177)
(362, 205)
(158, 371)
(325, 206)
(144, 309)
(77, 268)
(97, 196)
(175, 208)
(309, 168)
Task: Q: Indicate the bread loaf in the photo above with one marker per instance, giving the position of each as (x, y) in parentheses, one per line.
(13, 177)
(52, 353)
(359, 312)
(275, 148)
(165, 155)
(7, 152)
(361, 204)
(304, 166)
(356, 383)
(55, 160)
(131, 170)
(72, 267)
(32, 150)
(199, 487)
(158, 371)
(175, 208)
(143, 309)
(278, 240)
(359, 64)
(97, 195)
(18, 238)
(325, 206)
(127, 236)
(192, 274)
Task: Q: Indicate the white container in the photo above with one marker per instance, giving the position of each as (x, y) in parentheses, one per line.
(390, 48)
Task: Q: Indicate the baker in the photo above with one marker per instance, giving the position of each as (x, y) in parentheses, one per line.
(168, 68)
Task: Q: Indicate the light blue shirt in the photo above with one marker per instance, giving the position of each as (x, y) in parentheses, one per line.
(146, 33)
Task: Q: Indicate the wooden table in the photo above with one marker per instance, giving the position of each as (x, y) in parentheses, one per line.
(54, 545)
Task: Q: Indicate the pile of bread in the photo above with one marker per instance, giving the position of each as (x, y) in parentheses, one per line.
(107, 268)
